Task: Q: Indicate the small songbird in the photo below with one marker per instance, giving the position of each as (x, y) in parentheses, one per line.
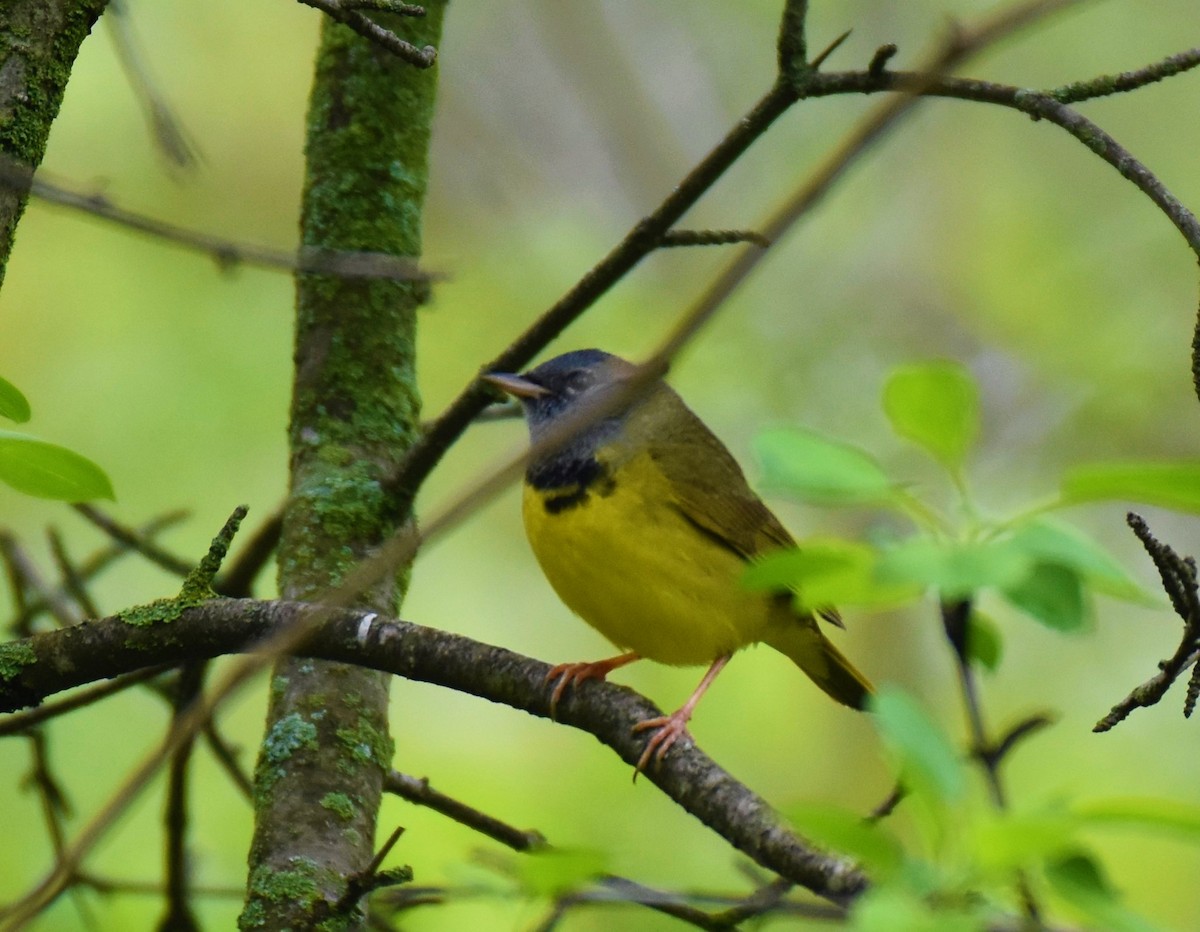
(644, 524)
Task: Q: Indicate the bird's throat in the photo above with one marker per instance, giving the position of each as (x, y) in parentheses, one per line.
(569, 480)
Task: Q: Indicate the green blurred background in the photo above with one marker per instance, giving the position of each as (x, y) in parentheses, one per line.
(972, 233)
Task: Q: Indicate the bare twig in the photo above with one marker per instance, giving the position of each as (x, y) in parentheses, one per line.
(956, 620)
(72, 580)
(95, 564)
(713, 238)
(372, 878)
(225, 252)
(1179, 580)
(227, 757)
(179, 915)
(768, 900)
(27, 583)
(134, 540)
(417, 790)
(23, 721)
(879, 60)
(173, 140)
(1106, 85)
(55, 805)
(348, 15)
(994, 755)
(237, 581)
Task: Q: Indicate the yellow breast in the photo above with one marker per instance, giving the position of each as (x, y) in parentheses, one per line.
(628, 562)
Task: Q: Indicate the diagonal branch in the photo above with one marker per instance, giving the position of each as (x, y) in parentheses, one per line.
(347, 14)
(48, 663)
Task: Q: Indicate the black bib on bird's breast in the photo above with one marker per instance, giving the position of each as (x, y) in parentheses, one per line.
(569, 481)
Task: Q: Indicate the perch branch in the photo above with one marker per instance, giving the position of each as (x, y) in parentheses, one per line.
(70, 657)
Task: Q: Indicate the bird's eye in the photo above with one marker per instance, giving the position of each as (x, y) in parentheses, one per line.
(577, 381)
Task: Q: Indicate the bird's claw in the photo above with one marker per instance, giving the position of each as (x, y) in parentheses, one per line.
(572, 674)
(668, 730)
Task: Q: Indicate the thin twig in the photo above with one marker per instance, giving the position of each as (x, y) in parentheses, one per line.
(55, 805)
(173, 139)
(956, 620)
(417, 790)
(237, 580)
(994, 755)
(1107, 85)
(72, 579)
(23, 721)
(97, 563)
(225, 252)
(134, 540)
(372, 878)
(227, 757)
(27, 582)
(179, 915)
(385, 6)
(1179, 581)
(345, 14)
(712, 238)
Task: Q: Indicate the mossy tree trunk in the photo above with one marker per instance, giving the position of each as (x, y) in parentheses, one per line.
(39, 40)
(355, 412)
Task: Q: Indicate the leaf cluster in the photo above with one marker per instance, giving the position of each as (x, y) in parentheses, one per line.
(1034, 561)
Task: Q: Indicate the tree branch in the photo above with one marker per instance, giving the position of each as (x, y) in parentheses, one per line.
(1179, 581)
(347, 14)
(47, 663)
(227, 253)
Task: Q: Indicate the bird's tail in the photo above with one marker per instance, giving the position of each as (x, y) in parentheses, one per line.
(824, 664)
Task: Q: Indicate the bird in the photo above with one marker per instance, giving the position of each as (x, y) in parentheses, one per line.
(643, 524)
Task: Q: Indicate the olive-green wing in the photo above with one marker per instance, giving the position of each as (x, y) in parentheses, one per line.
(711, 490)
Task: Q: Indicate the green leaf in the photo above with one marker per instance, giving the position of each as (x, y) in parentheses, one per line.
(893, 908)
(827, 571)
(956, 569)
(1007, 841)
(1052, 594)
(936, 405)
(928, 762)
(1053, 541)
(46, 470)
(846, 832)
(555, 871)
(1176, 817)
(1080, 880)
(984, 644)
(13, 404)
(1167, 484)
(817, 469)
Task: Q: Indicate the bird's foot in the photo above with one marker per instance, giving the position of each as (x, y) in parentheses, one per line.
(572, 674)
(667, 730)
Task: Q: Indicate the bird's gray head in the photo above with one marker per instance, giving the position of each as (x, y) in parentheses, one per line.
(566, 384)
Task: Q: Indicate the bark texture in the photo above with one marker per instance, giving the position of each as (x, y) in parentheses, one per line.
(355, 411)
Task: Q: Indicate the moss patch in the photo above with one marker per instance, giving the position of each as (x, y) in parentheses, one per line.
(14, 658)
(161, 611)
(366, 743)
(339, 804)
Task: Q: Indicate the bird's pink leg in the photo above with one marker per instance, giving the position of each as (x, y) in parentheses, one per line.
(670, 728)
(572, 674)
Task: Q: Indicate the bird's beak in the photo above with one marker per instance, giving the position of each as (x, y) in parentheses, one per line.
(515, 385)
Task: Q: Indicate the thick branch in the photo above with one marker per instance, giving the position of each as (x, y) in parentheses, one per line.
(51, 662)
(39, 40)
